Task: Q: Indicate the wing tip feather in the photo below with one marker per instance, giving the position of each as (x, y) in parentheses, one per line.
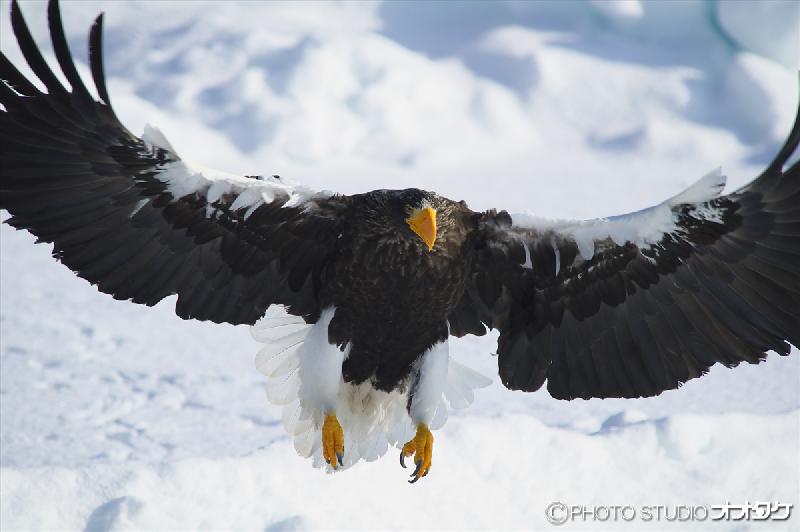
(61, 48)
(96, 58)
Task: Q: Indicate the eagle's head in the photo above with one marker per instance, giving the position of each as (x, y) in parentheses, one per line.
(419, 212)
(413, 220)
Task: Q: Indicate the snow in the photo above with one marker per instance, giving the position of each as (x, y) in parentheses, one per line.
(768, 29)
(114, 416)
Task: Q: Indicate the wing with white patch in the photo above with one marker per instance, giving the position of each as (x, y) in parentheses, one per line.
(633, 305)
(644, 228)
(129, 215)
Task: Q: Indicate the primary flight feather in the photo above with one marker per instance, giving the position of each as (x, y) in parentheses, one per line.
(355, 296)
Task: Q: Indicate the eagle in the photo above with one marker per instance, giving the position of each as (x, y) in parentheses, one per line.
(355, 296)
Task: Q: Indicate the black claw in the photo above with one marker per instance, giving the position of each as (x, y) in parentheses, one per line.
(339, 457)
(416, 470)
(402, 460)
(413, 480)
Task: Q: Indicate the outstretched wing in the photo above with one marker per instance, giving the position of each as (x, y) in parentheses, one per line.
(633, 305)
(129, 215)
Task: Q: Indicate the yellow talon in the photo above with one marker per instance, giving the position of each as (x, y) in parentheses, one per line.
(421, 446)
(332, 441)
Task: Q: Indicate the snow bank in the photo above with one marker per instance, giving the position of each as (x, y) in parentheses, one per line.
(489, 472)
(766, 28)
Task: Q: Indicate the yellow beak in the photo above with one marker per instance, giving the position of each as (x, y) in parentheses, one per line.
(423, 222)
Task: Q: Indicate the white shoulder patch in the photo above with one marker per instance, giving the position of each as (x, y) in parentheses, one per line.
(642, 228)
(184, 178)
(154, 136)
(706, 188)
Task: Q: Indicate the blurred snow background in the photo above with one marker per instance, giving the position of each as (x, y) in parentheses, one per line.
(117, 417)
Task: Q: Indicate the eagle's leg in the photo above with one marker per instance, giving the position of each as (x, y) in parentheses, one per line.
(320, 380)
(425, 398)
(332, 440)
(421, 447)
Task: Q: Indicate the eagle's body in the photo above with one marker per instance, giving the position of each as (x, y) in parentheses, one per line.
(382, 273)
(355, 297)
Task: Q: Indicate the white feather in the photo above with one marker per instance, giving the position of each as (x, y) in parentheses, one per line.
(642, 228)
(282, 390)
(154, 136)
(320, 366)
(139, 205)
(373, 421)
(528, 265)
(558, 254)
(704, 189)
(461, 383)
(432, 368)
(184, 178)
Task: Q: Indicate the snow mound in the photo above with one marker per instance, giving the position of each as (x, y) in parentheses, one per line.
(771, 29)
(683, 459)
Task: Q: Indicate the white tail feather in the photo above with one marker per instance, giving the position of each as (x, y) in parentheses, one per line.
(271, 358)
(461, 381)
(439, 416)
(283, 390)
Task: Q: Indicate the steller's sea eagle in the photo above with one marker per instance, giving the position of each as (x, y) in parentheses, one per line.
(355, 296)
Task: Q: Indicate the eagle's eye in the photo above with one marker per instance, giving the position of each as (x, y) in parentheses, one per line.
(423, 222)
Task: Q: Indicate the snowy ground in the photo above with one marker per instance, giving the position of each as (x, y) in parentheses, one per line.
(118, 417)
